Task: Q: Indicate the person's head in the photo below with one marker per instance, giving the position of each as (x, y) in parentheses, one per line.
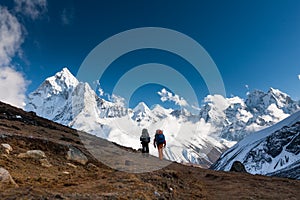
(144, 130)
(158, 131)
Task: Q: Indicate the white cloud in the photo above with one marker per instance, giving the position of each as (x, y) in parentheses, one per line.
(196, 108)
(299, 76)
(99, 90)
(168, 96)
(119, 101)
(12, 87)
(10, 36)
(31, 8)
(219, 102)
(12, 83)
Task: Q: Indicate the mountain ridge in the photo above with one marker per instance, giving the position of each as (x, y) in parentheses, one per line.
(220, 122)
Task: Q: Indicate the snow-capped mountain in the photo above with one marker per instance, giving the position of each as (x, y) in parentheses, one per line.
(61, 98)
(50, 98)
(235, 118)
(191, 138)
(143, 115)
(161, 112)
(272, 151)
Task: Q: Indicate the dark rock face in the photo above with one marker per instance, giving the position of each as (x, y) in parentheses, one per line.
(294, 146)
(237, 166)
(275, 154)
(292, 172)
(276, 141)
(273, 148)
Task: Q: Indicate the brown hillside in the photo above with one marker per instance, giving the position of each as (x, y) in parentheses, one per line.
(66, 179)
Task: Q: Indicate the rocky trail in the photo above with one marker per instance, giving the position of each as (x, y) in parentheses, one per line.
(40, 159)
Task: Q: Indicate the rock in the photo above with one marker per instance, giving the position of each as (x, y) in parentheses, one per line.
(45, 163)
(5, 178)
(6, 148)
(92, 167)
(58, 196)
(72, 165)
(76, 155)
(156, 194)
(4, 156)
(128, 162)
(35, 154)
(237, 166)
(65, 172)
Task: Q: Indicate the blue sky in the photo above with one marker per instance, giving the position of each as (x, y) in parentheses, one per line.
(253, 43)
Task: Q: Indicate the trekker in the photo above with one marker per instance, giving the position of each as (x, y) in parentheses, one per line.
(160, 142)
(145, 140)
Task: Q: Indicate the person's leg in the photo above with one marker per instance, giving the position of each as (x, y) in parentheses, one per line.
(160, 154)
(143, 148)
(160, 151)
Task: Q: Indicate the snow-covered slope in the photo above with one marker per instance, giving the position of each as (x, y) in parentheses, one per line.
(235, 118)
(50, 99)
(274, 150)
(143, 115)
(193, 138)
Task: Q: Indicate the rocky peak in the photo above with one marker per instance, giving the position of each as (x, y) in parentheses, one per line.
(181, 113)
(142, 107)
(62, 80)
(260, 101)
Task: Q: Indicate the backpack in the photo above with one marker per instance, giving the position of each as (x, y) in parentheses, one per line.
(145, 139)
(160, 138)
(145, 136)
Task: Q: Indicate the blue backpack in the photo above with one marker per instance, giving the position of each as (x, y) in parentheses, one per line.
(160, 138)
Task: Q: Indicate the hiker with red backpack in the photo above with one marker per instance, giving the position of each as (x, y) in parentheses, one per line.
(160, 142)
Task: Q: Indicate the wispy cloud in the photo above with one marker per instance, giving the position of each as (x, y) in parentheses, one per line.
(67, 16)
(168, 96)
(31, 8)
(196, 108)
(119, 101)
(10, 36)
(12, 83)
(99, 90)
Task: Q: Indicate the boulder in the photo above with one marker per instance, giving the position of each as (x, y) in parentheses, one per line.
(5, 148)
(76, 155)
(237, 166)
(6, 179)
(35, 154)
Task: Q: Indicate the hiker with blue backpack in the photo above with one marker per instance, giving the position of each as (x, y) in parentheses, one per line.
(160, 142)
